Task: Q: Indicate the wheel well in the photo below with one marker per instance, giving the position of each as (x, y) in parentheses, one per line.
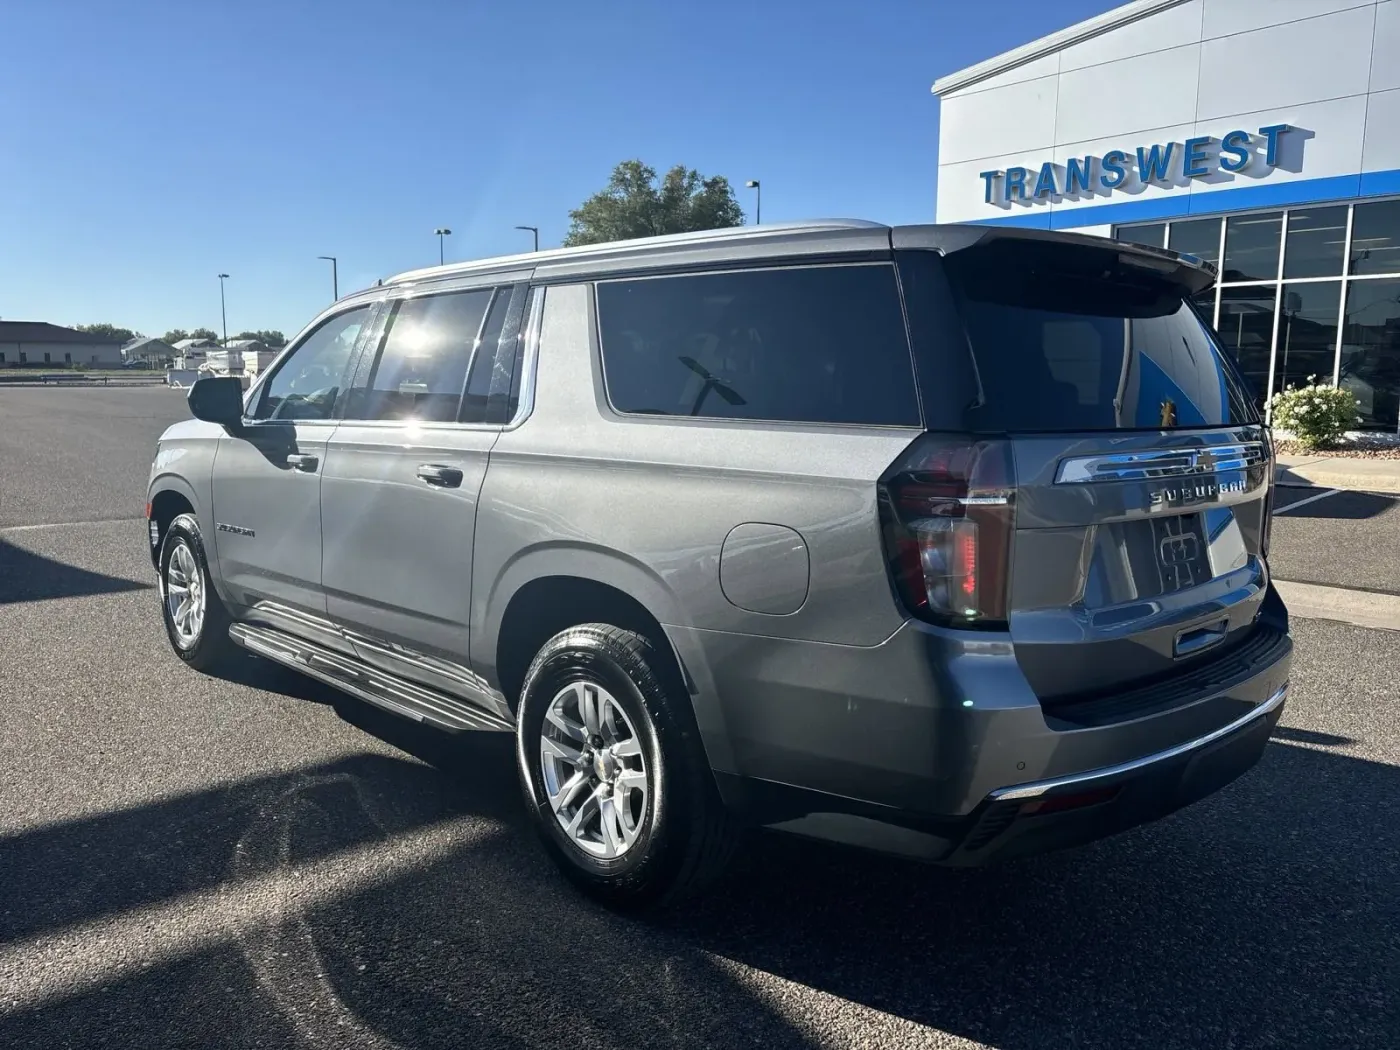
(544, 607)
(166, 507)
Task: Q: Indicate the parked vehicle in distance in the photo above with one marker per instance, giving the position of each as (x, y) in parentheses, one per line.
(948, 541)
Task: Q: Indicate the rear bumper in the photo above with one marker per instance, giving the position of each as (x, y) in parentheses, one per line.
(933, 745)
(1068, 811)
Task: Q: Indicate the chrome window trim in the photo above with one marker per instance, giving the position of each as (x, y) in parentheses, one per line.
(529, 357)
(1160, 463)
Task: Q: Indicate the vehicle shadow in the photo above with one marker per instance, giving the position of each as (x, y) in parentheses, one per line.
(1221, 926)
(1344, 506)
(29, 577)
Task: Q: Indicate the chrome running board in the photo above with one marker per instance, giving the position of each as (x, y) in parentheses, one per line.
(366, 683)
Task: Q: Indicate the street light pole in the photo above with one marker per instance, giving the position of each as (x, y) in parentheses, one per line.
(757, 188)
(335, 277)
(441, 231)
(536, 231)
(223, 312)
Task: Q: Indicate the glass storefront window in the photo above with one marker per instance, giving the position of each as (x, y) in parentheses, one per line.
(1205, 302)
(1153, 233)
(1198, 237)
(1317, 239)
(1247, 330)
(1375, 238)
(1324, 283)
(1370, 366)
(1251, 247)
(1307, 333)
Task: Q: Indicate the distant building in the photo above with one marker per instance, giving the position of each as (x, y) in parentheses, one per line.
(256, 354)
(191, 353)
(152, 351)
(39, 343)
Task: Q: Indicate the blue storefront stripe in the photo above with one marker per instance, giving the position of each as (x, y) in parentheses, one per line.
(1184, 205)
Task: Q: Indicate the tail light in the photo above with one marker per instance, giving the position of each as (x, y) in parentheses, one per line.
(947, 513)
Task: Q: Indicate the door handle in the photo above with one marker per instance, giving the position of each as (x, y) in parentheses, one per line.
(439, 476)
(302, 462)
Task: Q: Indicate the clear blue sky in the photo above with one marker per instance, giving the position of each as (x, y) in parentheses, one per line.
(149, 145)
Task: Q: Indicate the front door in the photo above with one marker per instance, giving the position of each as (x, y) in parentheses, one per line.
(267, 482)
(402, 476)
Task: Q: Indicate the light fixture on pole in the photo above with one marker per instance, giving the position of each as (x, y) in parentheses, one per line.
(335, 276)
(223, 312)
(441, 231)
(536, 231)
(754, 185)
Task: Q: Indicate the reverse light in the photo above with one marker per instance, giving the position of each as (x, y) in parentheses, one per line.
(946, 511)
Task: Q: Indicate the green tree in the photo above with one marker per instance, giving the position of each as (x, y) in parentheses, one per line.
(269, 337)
(205, 333)
(174, 336)
(108, 331)
(634, 204)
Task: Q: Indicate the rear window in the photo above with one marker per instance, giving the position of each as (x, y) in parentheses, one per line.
(814, 344)
(1069, 338)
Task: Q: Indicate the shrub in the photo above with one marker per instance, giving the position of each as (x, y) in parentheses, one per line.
(1317, 414)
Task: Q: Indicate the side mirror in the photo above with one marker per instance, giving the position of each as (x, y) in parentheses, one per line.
(217, 399)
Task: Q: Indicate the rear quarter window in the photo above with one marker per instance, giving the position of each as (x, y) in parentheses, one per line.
(813, 344)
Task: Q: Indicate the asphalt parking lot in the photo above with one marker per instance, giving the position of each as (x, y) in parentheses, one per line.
(194, 861)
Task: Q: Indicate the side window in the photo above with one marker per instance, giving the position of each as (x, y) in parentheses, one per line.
(306, 384)
(476, 403)
(816, 344)
(422, 365)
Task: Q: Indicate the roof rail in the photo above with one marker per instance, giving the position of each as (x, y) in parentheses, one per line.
(583, 251)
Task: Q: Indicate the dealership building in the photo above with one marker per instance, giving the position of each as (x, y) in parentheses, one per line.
(1261, 135)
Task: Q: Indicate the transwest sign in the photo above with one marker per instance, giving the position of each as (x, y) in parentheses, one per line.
(1173, 163)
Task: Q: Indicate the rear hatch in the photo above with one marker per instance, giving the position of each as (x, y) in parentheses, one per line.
(1100, 483)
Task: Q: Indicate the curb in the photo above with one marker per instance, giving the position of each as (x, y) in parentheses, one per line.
(1327, 477)
(1358, 608)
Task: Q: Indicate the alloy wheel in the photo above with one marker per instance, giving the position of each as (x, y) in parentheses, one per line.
(594, 771)
(184, 595)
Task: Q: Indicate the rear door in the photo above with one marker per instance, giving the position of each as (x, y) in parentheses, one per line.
(1142, 472)
(402, 477)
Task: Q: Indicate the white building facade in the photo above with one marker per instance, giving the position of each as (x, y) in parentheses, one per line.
(1261, 135)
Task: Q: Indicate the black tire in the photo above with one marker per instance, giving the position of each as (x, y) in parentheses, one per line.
(211, 648)
(685, 837)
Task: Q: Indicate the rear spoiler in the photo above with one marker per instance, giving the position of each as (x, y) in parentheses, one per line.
(1187, 271)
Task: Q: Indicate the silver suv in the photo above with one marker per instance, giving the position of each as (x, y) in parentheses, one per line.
(943, 540)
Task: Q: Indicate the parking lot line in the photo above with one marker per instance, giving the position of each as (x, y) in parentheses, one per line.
(1310, 499)
(65, 524)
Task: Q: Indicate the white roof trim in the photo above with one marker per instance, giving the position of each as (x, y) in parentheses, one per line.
(1048, 45)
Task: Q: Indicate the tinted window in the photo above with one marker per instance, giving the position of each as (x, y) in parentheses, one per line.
(1151, 233)
(1307, 333)
(1375, 238)
(1246, 329)
(1316, 238)
(1371, 351)
(308, 382)
(808, 344)
(1073, 339)
(422, 365)
(483, 369)
(1251, 247)
(1198, 237)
